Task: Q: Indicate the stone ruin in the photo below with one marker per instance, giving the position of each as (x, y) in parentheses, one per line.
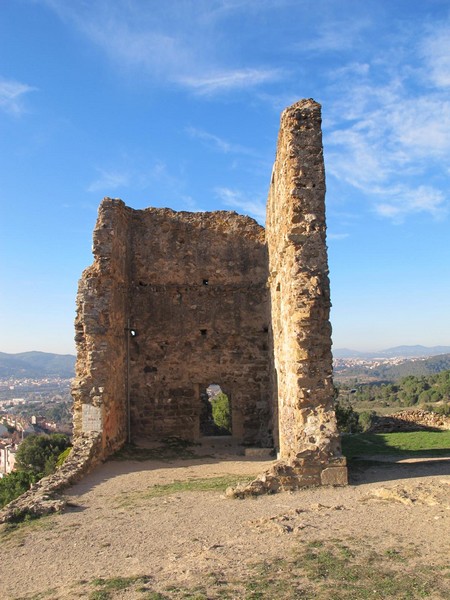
(176, 301)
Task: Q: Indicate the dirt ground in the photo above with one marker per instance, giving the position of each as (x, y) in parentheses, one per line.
(178, 539)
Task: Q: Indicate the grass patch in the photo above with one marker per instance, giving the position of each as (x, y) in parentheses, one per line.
(50, 594)
(411, 443)
(335, 571)
(327, 571)
(15, 533)
(109, 586)
(211, 484)
(318, 570)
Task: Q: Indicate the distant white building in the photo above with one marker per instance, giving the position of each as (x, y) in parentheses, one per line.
(7, 458)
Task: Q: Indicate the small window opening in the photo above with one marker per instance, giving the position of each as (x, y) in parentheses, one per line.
(266, 329)
(215, 413)
(278, 287)
(205, 282)
(203, 332)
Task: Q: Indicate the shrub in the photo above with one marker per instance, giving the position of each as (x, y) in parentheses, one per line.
(63, 457)
(15, 484)
(365, 420)
(39, 453)
(221, 411)
(439, 409)
(347, 419)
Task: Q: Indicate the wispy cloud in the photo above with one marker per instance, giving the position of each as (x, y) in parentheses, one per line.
(11, 96)
(219, 81)
(216, 142)
(174, 44)
(255, 207)
(387, 135)
(108, 181)
(436, 52)
(399, 203)
(335, 35)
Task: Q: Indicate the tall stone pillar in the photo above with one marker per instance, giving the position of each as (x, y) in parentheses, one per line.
(99, 388)
(300, 298)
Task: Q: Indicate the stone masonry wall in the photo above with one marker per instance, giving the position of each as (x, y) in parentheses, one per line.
(99, 388)
(199, 304)
(193, 287)
(300, 292)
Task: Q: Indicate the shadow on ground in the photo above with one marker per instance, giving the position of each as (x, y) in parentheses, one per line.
(383, 468)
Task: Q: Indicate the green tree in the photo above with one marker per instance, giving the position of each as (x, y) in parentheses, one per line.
(15, 484)
(366, 419)
(38, 454)
(347, 418)
(221, 411)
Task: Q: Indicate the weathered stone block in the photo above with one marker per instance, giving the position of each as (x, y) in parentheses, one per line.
(334, 476)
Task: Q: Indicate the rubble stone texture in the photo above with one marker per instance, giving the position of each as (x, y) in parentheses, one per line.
(45, 497)
(213, 298)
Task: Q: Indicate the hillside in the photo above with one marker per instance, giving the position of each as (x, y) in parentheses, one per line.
(36, 365)
(399, 351)
(391, 372)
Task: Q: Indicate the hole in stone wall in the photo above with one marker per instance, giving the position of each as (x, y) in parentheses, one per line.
(278, 287)
(205, 282)
(203, 332)
(215, 413)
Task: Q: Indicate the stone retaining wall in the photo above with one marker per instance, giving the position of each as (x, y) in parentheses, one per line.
(44, 497)
(410, 420)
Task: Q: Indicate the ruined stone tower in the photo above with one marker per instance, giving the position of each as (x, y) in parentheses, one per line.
(176, 301)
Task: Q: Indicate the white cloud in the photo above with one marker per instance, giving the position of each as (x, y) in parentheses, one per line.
(254, 207)
(436, 51)
(335, 35)
(228, 80)
(217, 142)
(11, 96)
(390, 140)
(399, 203)
(109, 180)
(421, 126)
(174, 43)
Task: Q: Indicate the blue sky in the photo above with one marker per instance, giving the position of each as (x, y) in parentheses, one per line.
(177, 104)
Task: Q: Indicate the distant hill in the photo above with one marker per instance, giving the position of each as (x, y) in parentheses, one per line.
(427, 366)
(400, 351)
(417, 367)
(37, 364)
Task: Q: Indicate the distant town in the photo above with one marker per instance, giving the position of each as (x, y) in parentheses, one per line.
(31, 406)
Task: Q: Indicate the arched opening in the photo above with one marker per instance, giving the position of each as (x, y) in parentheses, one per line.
(215, 412)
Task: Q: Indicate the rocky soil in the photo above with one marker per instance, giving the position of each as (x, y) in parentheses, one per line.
(134, 520)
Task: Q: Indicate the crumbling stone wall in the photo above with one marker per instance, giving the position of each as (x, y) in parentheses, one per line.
(99, 388)
(299, 287)
(192, 286)
(213, 298)
(199, 304)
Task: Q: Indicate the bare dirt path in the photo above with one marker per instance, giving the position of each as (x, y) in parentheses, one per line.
(118, 527)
